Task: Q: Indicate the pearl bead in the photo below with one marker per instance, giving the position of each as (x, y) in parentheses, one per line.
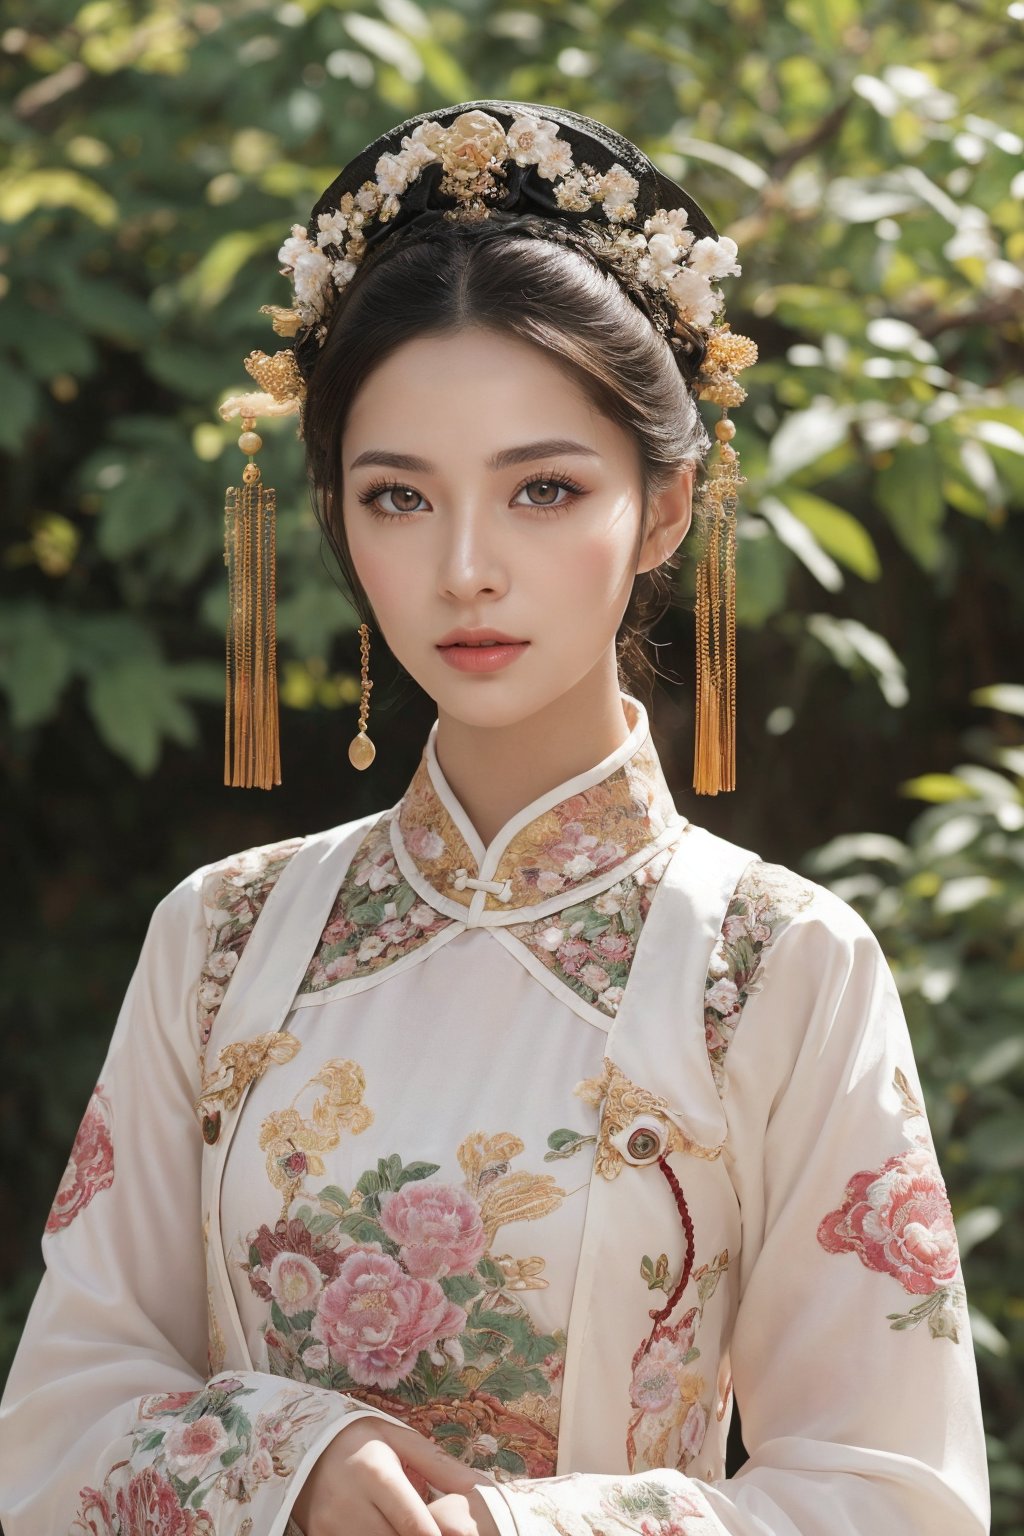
(250, 442)
(361, 751)
(725, 430)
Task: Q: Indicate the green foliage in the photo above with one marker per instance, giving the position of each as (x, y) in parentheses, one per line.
(866, 160)
(947, 905)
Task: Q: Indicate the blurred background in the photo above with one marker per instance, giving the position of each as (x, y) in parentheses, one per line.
(867, 158)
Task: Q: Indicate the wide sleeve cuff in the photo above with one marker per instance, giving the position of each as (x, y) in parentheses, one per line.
(231, 1457)
(499, 1510)
(582, 1503)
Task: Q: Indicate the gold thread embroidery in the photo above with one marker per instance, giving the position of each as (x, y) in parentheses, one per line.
(623, 1101)
(293, 1145)
(242, 1063)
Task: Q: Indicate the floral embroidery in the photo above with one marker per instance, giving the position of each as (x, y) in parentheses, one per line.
(391, 1292)
(590, 946)
(624, 1103)
(205, 1448)
(898, 1220)
(658, 1508)
(233, 898)
(569, 845)
(766, 899)
(585, 834)
(240, 1064)
(91, 1164)
(431, 838)
(377, 917)
(640, 1505)
(671, 1421)
(293, 1145)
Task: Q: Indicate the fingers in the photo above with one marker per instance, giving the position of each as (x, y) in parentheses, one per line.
(400, 1507)
(441, 1470)
(456, 1517)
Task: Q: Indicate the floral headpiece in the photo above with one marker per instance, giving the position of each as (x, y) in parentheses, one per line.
(584, 185)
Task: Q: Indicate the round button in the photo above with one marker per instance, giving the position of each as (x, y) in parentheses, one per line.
(642, 1141)
(642, 1145)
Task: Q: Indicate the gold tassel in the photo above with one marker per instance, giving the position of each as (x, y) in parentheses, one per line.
(714, 759)
(252, 753)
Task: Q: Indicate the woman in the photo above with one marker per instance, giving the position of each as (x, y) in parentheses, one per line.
(451, 1168)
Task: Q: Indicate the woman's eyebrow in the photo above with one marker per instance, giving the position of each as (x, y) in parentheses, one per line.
(501, 460)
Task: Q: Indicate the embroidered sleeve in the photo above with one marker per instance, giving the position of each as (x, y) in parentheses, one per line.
(851, 1351)
(112, 1423)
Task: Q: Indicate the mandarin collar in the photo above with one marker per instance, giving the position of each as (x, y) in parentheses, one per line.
(579, 838)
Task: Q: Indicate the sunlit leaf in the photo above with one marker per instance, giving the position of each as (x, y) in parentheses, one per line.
(1008, 697)
(836, 530)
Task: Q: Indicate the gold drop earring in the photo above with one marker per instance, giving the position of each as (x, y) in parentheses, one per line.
(361, 751)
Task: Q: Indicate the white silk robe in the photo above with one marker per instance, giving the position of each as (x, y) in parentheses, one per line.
(544, 1149)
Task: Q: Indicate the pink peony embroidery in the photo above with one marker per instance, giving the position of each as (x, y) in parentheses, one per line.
(573, 955)
(90, 1167)
(898, 1221)
(339, 968)
(438, 1228)
(188, 1448)
(595, 977)
(337, 930)
(656, 1373)
(149, 1507)
(614, 946)
(423, 843)
(654, 1387)
(375, 1319)
(295, 1282)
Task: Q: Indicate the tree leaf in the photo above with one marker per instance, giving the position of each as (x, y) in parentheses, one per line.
(35, 663)
(910, 491)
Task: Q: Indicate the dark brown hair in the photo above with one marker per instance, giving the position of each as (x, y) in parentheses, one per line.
(559, 297)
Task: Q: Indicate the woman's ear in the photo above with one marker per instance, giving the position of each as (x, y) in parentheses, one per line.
(671, 511)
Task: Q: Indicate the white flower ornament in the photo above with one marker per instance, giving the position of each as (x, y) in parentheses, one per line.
(663, 257)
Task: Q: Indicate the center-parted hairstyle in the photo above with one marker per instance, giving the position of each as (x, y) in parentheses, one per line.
(456, 217)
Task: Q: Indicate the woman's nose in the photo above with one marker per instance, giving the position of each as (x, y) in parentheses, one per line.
(470, 561)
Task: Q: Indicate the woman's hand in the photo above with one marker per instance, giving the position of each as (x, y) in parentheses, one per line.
(461, 1515)
(372, 1479)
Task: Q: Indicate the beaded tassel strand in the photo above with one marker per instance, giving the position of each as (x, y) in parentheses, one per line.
(252, 755)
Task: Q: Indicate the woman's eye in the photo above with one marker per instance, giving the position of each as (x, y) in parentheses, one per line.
(549, 491)
(403, 496)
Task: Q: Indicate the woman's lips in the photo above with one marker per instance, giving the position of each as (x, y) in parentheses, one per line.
(482, 658)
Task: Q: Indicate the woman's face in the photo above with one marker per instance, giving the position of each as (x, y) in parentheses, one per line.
(483, 492)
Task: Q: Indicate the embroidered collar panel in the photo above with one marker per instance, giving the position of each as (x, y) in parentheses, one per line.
(578, 838)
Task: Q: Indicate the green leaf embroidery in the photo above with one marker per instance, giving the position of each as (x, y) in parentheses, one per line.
(332, 1195)
(460, 1288)
(564, 1143)
(413, 1171)
(656, 1275)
